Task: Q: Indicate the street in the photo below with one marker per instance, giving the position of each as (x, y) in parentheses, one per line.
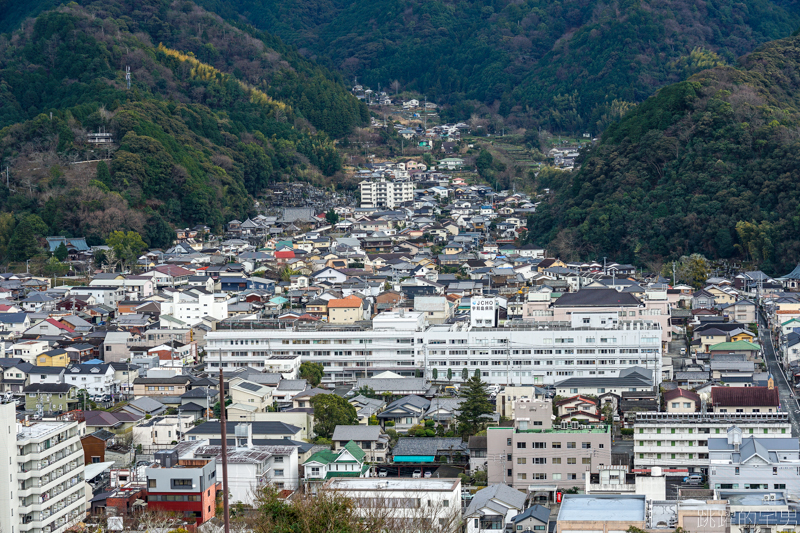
(788, 403)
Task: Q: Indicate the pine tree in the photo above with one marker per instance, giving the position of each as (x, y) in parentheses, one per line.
(476, 405)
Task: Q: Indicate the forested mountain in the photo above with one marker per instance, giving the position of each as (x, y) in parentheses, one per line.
(214, 114)
(566, 65)
(709, 165)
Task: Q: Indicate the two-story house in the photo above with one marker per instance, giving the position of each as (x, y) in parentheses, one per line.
(371, 439)
(349, 461)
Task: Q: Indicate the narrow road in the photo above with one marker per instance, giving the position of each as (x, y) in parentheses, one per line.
(788, 403)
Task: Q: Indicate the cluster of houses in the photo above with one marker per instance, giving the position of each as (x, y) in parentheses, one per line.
(400, 305)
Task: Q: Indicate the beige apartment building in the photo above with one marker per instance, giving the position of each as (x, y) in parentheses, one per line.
(533, 452)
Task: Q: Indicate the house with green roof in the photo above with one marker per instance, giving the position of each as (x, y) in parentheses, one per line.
(326, 464)
(750, 349)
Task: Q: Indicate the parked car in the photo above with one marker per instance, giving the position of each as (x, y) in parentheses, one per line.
(107, 398)
(693, 479)
(683, 351)
(417, 473)
(383, 472)
(428, 474)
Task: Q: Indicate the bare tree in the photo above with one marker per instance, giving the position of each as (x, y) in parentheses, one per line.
(395, 86)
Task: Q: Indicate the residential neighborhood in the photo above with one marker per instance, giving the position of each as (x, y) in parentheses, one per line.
(413, 347)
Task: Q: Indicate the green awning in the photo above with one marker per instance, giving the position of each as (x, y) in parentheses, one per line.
(413, 458)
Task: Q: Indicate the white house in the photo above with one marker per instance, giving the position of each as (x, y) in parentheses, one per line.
(96, 379)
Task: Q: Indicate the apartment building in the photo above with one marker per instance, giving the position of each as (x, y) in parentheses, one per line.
(403, 343)
(534, 452)
(45, 490)
(192, 305)
(748, 462)
(385, 194)
(680, 440)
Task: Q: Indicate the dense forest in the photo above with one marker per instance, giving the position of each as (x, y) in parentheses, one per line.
(707, 165)
(214, 115)
(564, 65)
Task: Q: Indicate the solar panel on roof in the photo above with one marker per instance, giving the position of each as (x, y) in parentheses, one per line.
(250, 386)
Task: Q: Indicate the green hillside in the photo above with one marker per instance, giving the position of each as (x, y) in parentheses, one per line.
(708, 165)
(214, 114)
(567, 65)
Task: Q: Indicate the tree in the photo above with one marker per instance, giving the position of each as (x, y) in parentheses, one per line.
(474, 407)
(330, 411)
(312, 372)
(449, 375)
(159, 233)
(477, 373)
(61, 252)
(26, 240)
(126, 245)
(464, 374)
(54, 267)
(286, 273)
(103, 175)
(331, 217)
(435, 374)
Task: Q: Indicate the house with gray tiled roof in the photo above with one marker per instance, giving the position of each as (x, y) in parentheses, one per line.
(371, 439)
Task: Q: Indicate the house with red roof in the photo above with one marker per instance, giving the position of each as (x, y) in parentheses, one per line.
(746, 399)
(682, 401)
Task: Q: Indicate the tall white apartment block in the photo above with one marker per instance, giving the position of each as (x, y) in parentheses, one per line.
(43, 463)
(385, 194)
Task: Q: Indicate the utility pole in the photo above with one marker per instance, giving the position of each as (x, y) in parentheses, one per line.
(224, 434)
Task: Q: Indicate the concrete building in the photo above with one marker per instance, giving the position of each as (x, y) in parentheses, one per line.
(404, 344)
(748, 462)
(680, 440)
(189, 490)
(385, 194)
(192, 305)
(408, 501)
(504, 403)
(580, 513)
(45, 490)
(533, 452)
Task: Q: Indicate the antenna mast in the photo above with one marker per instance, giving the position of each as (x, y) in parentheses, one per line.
(128, 77)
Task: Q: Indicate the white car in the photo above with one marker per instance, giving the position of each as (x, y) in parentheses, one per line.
(417, 473)
(382, 472)
(428, 474)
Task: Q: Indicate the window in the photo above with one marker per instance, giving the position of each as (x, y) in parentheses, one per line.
(540, 460)
(151, 483)
(522, 476)
(279, 473)
(556, 460)
(570, 445)
(520, 445)
(540, 476)
(572, 461)
(586, 461)
(586, 445)
(508, 441)
(556, 477)
(521, 460)
(781, 486)
(556, 445)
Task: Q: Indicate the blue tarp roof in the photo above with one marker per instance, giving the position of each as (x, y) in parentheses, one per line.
(413, 458)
